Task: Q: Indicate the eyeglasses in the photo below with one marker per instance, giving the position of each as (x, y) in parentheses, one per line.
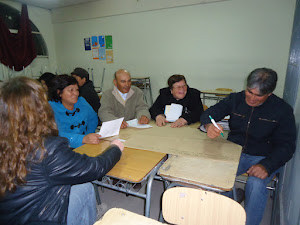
(180, 87)
(80, 124)
(73, 113)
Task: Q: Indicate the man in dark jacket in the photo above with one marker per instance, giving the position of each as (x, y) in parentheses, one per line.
(86, 88)
(264, 125)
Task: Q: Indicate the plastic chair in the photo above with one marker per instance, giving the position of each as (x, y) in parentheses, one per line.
(183, 205)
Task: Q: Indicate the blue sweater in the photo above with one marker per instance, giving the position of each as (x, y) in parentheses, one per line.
(77, 123)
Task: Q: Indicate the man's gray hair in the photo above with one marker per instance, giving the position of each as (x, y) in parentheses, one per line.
(264, 79)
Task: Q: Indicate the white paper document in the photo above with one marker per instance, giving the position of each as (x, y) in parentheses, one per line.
(111, 128)
(134, 123)
(173, 112)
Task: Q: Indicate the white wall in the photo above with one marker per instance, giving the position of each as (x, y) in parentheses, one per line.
(213, 45)
(42, 19)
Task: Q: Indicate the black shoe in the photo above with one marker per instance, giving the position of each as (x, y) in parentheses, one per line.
(240, 195)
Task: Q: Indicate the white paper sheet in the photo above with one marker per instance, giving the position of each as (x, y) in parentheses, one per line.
(111, 128)
(134, 123)
(174, 112)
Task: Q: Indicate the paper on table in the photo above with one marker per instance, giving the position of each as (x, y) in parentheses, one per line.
(134, 123)
(174, 112)
(111, 128)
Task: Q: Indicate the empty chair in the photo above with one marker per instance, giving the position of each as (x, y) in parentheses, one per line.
(182, 205)
(220, 96)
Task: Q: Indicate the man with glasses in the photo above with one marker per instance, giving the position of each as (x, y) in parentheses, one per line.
(179, 93)
(264, 125)
(123, 101)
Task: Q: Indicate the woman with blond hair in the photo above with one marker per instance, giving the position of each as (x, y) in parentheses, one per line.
(42, 180)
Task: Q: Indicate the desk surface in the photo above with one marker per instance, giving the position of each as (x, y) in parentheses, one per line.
(134, 164)
(204, 172)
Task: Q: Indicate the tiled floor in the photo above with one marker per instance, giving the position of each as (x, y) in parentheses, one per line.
(114, 199)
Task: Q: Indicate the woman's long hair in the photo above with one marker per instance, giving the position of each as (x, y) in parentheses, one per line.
(26, 119)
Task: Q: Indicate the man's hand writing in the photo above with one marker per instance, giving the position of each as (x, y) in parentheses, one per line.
(212, 131)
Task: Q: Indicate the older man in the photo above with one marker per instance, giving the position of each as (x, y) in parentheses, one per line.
(124, 101)
(264, 125)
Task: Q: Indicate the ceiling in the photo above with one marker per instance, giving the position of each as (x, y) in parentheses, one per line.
(52, 4)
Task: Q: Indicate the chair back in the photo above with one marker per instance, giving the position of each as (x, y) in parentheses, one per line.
(182, 205)
(223, 89)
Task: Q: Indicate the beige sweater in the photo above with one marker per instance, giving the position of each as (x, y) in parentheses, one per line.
(113, 106)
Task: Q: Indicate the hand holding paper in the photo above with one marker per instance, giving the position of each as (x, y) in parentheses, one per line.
(111, 128)
(173, 112)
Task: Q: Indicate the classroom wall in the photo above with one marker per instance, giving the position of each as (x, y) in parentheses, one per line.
(214, 45)
(42, 19)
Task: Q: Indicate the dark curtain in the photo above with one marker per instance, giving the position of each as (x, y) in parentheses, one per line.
(17, 50)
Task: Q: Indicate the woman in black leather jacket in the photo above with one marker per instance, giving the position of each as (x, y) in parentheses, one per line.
(42, 180)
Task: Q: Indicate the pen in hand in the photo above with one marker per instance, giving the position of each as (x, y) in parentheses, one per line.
(215, 124)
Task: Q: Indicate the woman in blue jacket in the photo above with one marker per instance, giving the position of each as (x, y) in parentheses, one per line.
(75, 118)
(42, 180)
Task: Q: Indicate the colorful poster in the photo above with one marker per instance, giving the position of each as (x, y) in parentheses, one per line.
(101, 41)
(102, 54)
(87, 44)
(109, 56)
(95, 42)
(108, 42)
(95, 53)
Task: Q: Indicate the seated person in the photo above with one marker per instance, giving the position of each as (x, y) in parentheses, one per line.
(264, 125)
(45, 80)
(123, 101)
(180, 93)
(75, 118)
(86, 88)
(42, 180)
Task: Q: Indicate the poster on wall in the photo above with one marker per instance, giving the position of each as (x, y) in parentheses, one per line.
(101, 42)
(109, 56)
(102, 54)
(95, 53)
(95, 42)
(108, 42)
(87, 44)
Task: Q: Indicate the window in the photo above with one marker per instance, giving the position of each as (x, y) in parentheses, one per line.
(11, 18)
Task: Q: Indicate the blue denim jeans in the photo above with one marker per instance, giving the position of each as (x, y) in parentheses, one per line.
(82, 205)
(256, 193)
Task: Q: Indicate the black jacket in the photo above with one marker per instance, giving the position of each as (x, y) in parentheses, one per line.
(44, 199)
(88, 92)
(192, 105)
(266, 130)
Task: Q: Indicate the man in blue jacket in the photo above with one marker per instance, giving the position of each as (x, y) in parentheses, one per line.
(264, 125)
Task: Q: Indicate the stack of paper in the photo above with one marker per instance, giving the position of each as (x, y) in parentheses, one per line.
(173, 112)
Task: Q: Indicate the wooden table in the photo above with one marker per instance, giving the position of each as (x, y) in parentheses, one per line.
(214, 95)
(135, 166)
